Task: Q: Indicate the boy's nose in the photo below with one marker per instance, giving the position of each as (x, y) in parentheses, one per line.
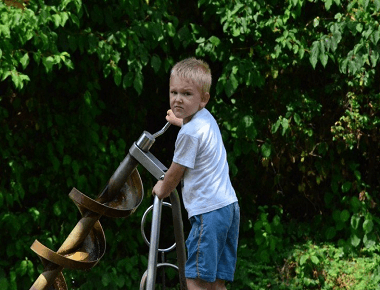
(178, 98)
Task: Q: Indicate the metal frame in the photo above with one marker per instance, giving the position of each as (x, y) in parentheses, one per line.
(140, 151)
(85, 245)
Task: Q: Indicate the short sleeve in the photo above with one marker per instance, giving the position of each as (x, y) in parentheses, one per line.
(186, 148)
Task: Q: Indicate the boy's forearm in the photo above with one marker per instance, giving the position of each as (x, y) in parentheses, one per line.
(172, 178)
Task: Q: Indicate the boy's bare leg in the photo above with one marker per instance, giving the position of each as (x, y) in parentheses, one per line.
(198, 284)
(219, 285)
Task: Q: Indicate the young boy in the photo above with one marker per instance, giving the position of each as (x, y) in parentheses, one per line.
(200, 162)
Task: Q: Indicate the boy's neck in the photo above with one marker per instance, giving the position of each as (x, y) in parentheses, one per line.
(192, 116)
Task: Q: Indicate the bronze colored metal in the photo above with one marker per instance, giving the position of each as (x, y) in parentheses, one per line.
(86, 243)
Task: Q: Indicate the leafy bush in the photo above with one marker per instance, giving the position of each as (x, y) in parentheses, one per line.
(308, 266)
(295, 94)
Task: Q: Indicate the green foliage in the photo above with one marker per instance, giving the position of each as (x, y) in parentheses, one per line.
(295, 93)
(268, 235)
(308, 266)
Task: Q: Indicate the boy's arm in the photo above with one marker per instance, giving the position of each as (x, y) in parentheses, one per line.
(172, 119)
(173, 176)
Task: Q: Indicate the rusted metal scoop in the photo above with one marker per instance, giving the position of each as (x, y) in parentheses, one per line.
(86, 244)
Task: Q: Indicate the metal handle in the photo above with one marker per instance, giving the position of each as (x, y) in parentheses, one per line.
(162, 131)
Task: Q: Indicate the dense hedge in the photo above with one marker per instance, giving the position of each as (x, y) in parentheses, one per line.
(295, 93)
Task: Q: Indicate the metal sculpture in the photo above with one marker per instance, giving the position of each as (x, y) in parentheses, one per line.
(85, 245)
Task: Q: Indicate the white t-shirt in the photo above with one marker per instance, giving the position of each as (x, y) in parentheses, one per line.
(206, 183)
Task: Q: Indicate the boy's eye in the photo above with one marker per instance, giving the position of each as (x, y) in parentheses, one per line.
(187, 94)
(173, 92)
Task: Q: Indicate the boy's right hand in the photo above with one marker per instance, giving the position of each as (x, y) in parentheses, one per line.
(172, 119)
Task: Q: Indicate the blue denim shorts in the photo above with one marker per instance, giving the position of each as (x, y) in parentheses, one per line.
(212, 244)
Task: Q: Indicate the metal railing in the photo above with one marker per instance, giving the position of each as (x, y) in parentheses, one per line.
(85, 245)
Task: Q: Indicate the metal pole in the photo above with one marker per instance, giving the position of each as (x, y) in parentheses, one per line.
(154, 243)
(179, 237)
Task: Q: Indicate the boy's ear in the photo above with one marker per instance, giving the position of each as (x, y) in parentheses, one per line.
(205, 99)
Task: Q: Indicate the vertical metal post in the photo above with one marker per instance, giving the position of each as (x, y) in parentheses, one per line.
(154, 243)
(140, 151)
(179, 237)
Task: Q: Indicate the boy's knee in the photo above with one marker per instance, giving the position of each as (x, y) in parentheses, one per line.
(219, 285)
(199, 284)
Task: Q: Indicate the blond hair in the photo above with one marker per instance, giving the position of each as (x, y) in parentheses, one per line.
(195, 70)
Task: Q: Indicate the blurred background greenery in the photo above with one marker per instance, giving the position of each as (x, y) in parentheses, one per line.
(295, 93)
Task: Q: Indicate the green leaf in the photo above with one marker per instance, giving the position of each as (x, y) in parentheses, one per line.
(358, 175)
(355, 203)
(355, 221)
(314, 260)
(48, 62)
(368, 226)
(328, 4)
(5, 31)
(355, 240)
(275, 126)
(344, 215)
(323, 57)
(365, 4)
(247, 120)
(285, 125)
(64, 17)
(57, 208)
(375, 56)
(24, 60)
(34, 213)
(214, 40)
(231, 85)
(117, 76)
(335, 39)
(23, 268)
(303, 259)
(297, 118)
(138, 83)
(106, 279)
(155, 63)
(170, 29)
(330, 233)
(369, 241)
(251, 132)
(57, 20)
(184, 36)
(266, 150)
(75, 20)
(377, 5)
(128, 80)
(316, 22)
(16, 79)
(346, 186)
(314, 53)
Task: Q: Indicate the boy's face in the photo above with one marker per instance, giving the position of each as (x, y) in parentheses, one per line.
(186, 98)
